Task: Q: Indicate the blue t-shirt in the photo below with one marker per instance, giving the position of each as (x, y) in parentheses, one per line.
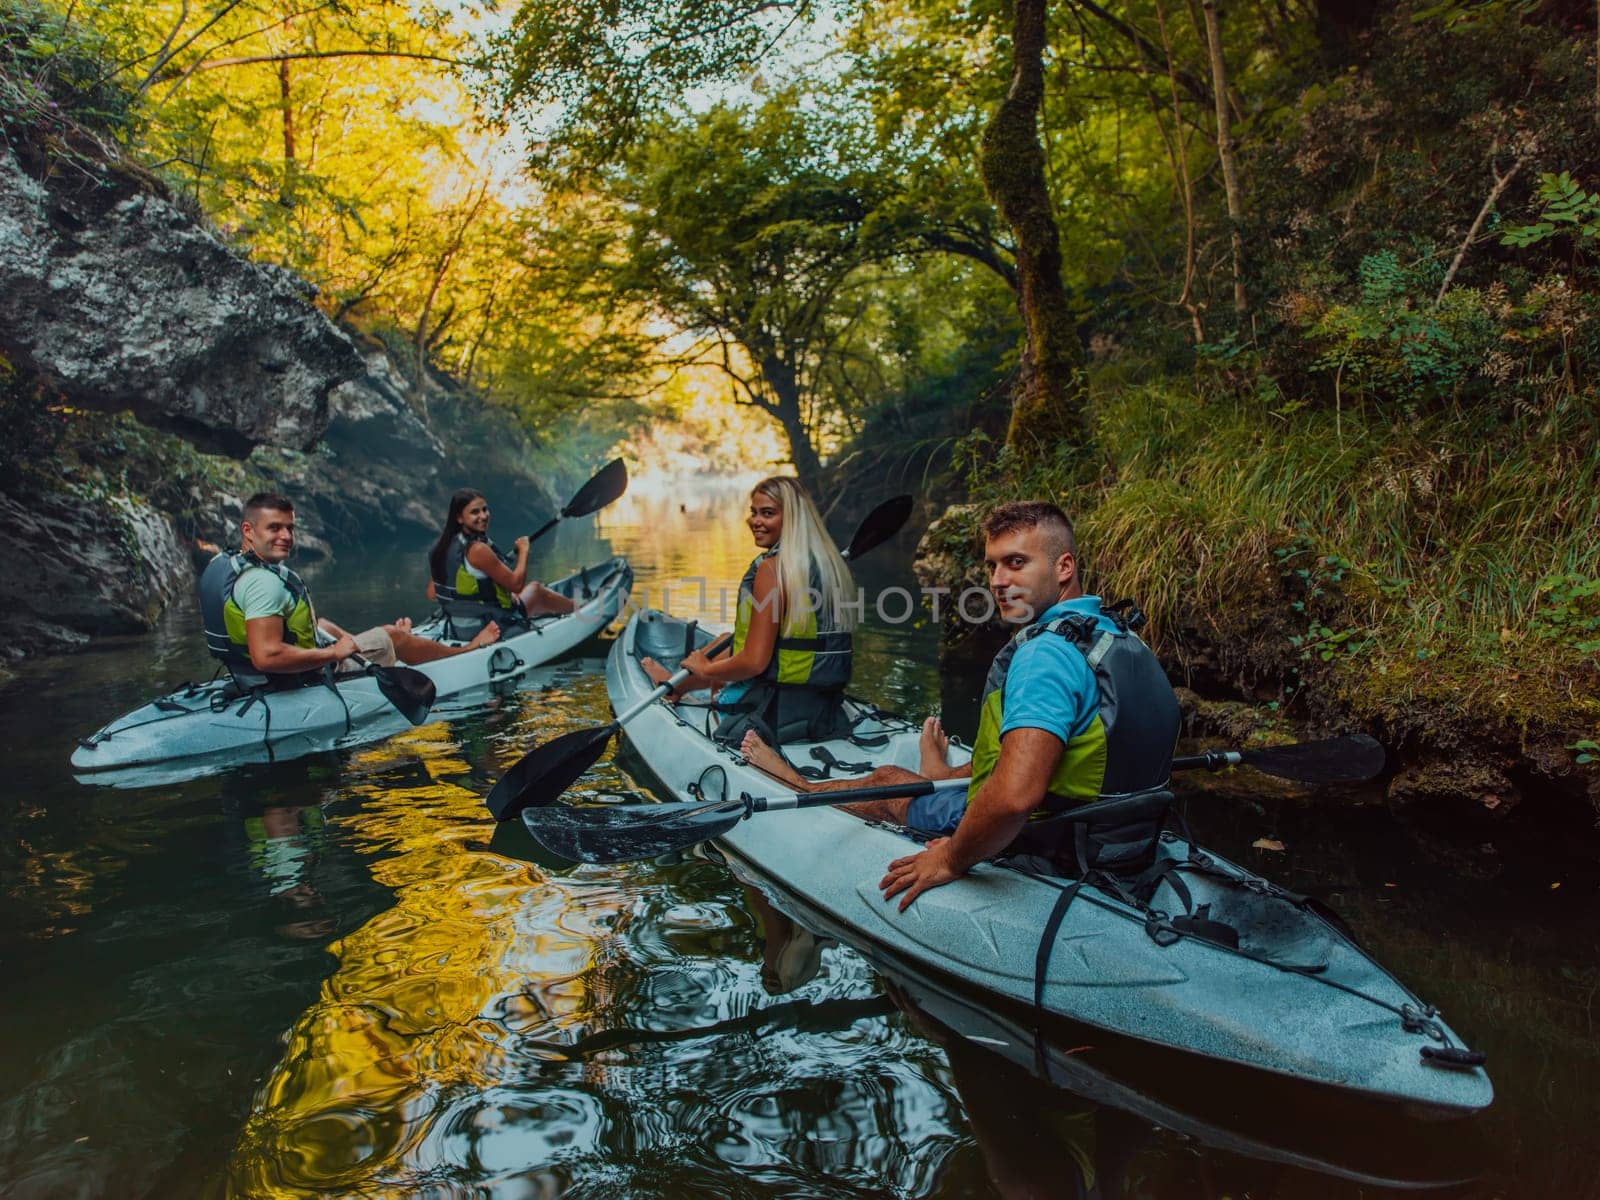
(1050, 685)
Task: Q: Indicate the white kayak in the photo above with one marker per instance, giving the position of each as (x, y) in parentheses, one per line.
(204, 723)
(1297, 998)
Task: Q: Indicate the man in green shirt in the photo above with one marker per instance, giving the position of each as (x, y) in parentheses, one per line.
(259, 617)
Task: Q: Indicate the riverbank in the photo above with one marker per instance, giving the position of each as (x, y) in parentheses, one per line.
(1430, 579)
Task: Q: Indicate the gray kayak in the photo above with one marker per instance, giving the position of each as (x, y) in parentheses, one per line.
(204, 725)
(1296, 998)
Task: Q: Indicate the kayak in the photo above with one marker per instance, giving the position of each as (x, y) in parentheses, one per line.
(202, 723)
(1295, 998)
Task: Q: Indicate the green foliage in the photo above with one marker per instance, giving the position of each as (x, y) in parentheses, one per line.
(54, 76)
(1407, 558)
(1568, 210)
(1588, 751)
(1567, 608)
(1393, 342)
(589, 78)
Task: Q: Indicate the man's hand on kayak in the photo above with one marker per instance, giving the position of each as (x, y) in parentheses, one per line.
(916, 873)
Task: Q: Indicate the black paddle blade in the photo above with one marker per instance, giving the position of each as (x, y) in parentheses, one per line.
(631, 833)
(546, 771)
(881, 524)
(408, 690)
(609, 483)
(1352, 759)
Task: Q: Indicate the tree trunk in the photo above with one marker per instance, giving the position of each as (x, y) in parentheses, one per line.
(286, 192)
(781, 377)
(1048, 403)
(1230, 175)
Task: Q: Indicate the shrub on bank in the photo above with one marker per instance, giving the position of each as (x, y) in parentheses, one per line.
(1359, 563)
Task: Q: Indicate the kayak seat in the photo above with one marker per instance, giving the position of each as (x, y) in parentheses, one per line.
(465, 619)
(1118, 835)
(666, 640)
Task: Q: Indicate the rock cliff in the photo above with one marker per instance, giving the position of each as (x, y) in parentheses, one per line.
(115, 299)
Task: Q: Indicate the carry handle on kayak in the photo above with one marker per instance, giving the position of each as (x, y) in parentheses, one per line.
(542, 774)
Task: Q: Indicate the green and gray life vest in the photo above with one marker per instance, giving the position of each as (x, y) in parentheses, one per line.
(1128, 745)
(816, 655)
(459, 583)
(224, 620)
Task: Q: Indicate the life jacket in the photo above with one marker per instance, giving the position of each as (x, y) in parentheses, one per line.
(1127, 747)
(224, 620)
(816, 655)
(465, 596)
(463, 582)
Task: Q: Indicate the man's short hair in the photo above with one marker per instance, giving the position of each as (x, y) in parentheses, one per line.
(265, 502)
(1033, 514)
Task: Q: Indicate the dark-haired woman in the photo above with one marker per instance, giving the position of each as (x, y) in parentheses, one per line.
(471, 576)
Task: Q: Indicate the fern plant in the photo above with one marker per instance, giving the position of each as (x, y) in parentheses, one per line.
(1568, 209)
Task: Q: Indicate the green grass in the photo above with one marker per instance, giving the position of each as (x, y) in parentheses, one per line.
(1363, 560)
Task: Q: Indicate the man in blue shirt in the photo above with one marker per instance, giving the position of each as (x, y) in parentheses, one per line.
(1045, 731)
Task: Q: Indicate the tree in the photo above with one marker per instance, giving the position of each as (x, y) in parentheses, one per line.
(744, 232)
(611, 65)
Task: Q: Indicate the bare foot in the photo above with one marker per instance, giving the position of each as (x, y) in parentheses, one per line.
(488, 634)
(934, 745)
(758, 754)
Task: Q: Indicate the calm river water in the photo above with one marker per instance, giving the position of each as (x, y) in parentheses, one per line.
(334, 976)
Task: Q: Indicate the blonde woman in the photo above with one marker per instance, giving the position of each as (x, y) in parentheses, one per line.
(791, 653)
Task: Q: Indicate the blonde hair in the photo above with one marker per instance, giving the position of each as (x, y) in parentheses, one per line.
(805, 541)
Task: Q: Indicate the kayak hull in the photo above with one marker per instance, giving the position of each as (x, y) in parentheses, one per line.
(1322, 1011)
(201, 723)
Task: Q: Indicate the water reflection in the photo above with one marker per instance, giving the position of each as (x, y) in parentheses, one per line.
(334, 976)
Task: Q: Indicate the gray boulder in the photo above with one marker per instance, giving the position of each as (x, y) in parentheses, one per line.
(118, 299)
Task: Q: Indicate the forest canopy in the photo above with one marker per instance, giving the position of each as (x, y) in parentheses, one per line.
(1300, 293)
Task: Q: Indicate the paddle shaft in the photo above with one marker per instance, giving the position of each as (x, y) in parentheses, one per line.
(882, 791)
(1211, 760)
(1353, 758)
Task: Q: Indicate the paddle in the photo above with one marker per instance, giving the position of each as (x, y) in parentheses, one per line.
(628, 832)
(608, 483)
(408, 689)
(546, 771)
(1351, 759)
(879, 525)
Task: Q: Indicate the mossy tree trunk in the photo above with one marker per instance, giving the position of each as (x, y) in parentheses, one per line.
(1048, 405)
